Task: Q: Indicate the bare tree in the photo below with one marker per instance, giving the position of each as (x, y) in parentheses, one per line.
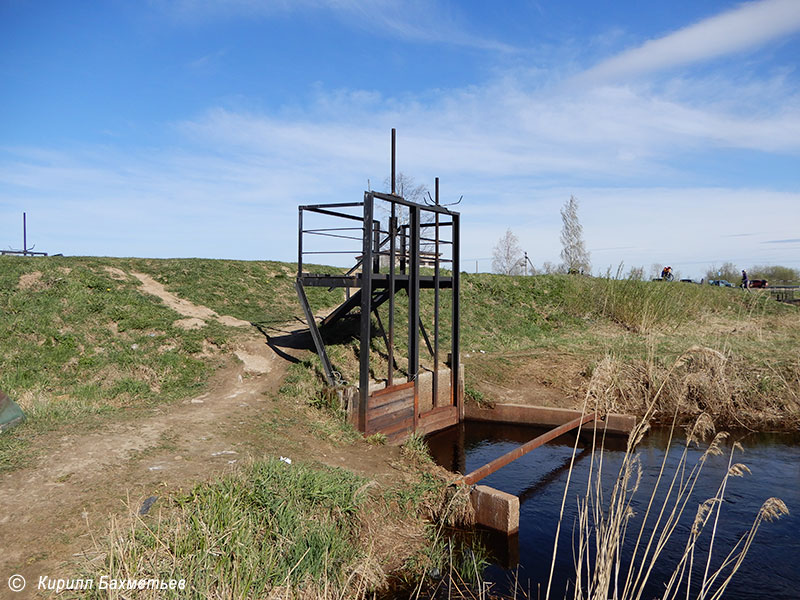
(655, 270)
(636, 274)
(549, 268)
(508, 259)
(405, 186)
(573, 253)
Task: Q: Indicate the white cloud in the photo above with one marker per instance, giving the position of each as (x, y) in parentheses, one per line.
(228, 183)
(748, 26)
(411, 20)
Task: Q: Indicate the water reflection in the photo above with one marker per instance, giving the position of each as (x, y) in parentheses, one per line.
(771, 566)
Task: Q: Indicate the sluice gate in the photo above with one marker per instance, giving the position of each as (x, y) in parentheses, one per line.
(407, 249)
(404, 290)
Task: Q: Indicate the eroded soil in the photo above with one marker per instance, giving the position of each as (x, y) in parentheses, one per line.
(52, 511)
(533, 378)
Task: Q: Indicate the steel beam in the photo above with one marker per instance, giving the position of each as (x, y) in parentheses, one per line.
(392, 289)
(455, 341)
(366, 312)
(300, 242)
(435, 390)
(413, 306)
(509, 457)
(315, 334)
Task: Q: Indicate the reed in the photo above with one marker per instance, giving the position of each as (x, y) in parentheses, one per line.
(605, 520)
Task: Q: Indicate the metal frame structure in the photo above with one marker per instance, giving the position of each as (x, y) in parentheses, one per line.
(25, 250)
(396, 245)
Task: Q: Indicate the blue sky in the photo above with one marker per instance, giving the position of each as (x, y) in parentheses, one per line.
(196, 127)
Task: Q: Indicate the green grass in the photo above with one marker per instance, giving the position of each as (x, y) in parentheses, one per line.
(271, 525)
(567, 325)
(79, 343)
(502, 313)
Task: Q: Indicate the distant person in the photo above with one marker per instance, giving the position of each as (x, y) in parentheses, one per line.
(745, 281)
(666, 273)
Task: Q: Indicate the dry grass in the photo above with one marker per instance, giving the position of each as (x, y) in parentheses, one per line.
(701, 381)
(605, 520)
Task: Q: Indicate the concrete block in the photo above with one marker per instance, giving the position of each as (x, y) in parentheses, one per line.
(425, 381)
(495, 509)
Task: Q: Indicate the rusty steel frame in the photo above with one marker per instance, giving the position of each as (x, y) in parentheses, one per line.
(409, 239)
(498, 463)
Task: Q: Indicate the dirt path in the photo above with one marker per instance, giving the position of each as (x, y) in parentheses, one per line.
(49, 512)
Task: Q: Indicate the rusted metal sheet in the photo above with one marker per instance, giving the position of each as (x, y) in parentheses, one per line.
(509, 457)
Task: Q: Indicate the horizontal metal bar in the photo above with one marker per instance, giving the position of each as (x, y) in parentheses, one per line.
(334, 235)
(332, 205)
(409, 203)
(332, 252)
(332, 213)
(334, 229)
(422, 239)
(447, 224)
(498, 463)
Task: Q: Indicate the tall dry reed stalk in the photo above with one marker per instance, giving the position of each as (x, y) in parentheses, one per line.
(604, 521)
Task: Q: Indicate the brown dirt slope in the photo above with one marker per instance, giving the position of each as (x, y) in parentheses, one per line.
(49, 512)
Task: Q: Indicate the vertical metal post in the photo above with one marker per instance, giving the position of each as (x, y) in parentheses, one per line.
(376, 245)
(435, 393)
(392, 249)
(300, 241)
(394, 133)
(455, 345)
(366, 310)
(24, 234)
(403, 248)
(413, 307)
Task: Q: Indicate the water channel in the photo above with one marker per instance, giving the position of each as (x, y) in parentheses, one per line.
(771, 568)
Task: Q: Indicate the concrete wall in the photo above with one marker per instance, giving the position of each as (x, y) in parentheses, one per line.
(544, 416)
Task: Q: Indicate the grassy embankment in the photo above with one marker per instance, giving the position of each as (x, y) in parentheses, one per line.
(83, 346)
(81, 343)
(726, 352)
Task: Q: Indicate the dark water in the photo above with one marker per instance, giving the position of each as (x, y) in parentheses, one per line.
(771, 568)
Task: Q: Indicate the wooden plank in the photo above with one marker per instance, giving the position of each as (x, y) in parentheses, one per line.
(442, 418)
(393, 388)
(400, 425)
(374, 425)
(390, 407)
(436, 411)
(399, 396)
